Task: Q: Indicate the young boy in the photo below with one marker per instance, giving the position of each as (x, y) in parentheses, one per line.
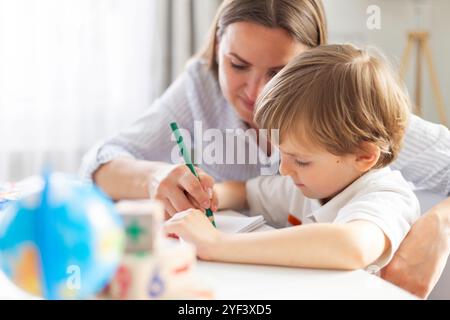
(341, 116)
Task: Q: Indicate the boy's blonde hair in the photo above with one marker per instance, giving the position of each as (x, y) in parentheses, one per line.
(337, 97)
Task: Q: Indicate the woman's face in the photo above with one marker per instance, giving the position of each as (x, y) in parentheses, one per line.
(249, 55)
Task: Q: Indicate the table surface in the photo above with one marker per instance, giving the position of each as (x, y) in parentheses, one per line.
(258, 282)
(253, 282)
(238, 281)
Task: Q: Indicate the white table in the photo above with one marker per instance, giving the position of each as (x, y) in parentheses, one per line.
(238, 281)
(255, 282)
(242, 281)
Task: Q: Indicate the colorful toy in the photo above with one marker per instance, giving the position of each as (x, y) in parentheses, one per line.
(169, 272)
(154, 266)
(142, 220)
(64, 242)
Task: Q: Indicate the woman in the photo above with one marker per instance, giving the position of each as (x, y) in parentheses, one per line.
(250, 42)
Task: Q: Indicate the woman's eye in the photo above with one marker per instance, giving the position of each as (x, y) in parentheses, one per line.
(302, 163)
(238, 66)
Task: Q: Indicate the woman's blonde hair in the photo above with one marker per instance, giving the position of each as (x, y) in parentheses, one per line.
(304, 20)
(337, 97)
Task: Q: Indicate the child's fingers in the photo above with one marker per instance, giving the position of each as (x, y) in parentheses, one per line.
(171, 230)
(179, 216)
(172, 226)
(176, 226)
(183, 215)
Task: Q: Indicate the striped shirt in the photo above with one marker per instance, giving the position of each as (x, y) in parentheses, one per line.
(196, 96)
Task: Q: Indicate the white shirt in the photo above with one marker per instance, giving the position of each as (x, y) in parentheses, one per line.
(196, 95)
(380, 196)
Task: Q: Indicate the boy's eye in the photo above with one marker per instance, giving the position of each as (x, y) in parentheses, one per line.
(302, 163)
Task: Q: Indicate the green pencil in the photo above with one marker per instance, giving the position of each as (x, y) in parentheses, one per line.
(187, 159)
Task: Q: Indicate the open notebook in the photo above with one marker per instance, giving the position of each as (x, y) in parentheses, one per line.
(230, 221)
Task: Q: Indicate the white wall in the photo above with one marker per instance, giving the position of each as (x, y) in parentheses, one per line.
(347, 22)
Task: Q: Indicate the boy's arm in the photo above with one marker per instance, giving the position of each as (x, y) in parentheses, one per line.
(348, 246)
(231, 195)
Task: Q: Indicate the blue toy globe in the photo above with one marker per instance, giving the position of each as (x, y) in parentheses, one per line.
(64, 242)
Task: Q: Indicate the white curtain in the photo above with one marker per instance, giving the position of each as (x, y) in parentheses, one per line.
(182, 27)
(73, 72)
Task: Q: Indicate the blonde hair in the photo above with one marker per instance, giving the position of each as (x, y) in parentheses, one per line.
(337, 97)
(304, 20)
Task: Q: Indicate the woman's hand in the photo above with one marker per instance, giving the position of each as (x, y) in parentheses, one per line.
(421, 258)
(179, 189)
(193, 226)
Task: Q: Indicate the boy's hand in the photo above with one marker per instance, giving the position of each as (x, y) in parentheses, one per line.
(193, 226)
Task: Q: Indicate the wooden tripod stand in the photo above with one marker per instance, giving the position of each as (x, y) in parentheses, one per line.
(420, 39)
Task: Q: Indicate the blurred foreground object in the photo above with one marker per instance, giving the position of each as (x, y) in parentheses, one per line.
(63, 242)
(154, 266)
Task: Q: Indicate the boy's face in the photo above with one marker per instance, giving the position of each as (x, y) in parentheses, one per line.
(316, 172)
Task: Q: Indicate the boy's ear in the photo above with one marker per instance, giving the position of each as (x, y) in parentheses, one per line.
(367, 156)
